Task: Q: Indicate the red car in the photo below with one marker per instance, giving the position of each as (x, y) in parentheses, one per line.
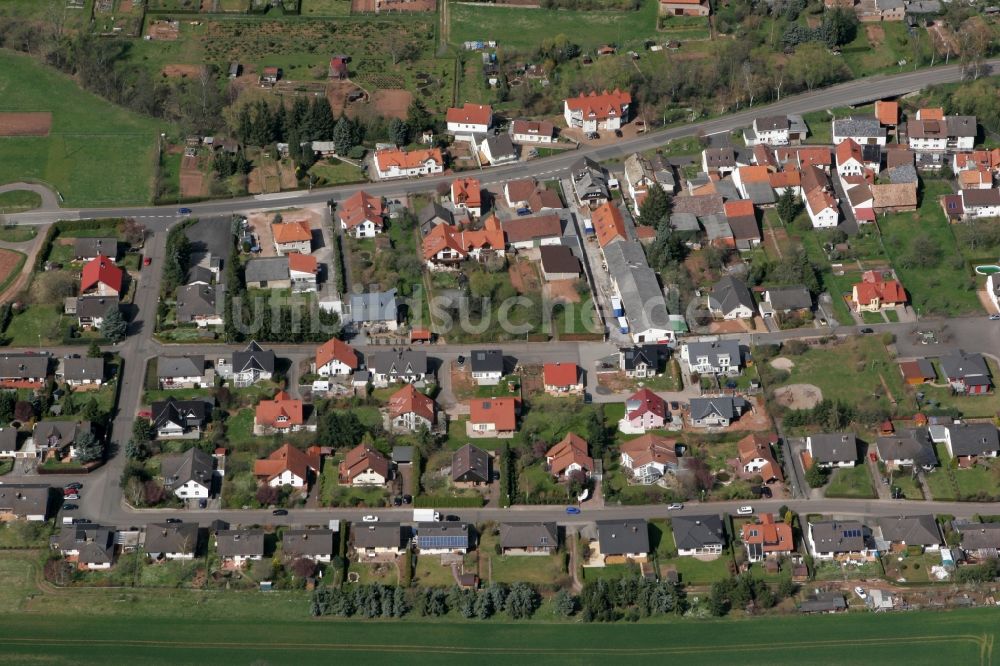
(147, 261)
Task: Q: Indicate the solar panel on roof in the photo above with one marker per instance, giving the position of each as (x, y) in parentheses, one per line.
(433, 542)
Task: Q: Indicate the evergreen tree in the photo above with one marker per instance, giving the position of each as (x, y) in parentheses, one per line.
(244, 125)
(88, 447)
(655, 208)
(399, 132)
(113, 327)
(417, 116)
(280, 122)
(788, 206)
(94, 351)
(322, 120)
(343, 135)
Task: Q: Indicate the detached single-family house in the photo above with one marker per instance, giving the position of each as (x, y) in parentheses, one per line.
(90, 311)
(83, 371)
(907, 448)
(649, 457)
(287, 466)
(398, 365)
(716, 412)
(875, 293)
(89, 545)
(486, 366)
(532, 131)
(537, 538)
(822, 209)
(200, 304)
(967, 442)
(466, 193)
(372, 539)
(24, 501)
(730, 299)
(720, 357)
(88, 249)
(363, 466)
(316, 545)
(768, 130)
(492, 417)
(100, 276)
(757, 457)
(410, 410)
(598, 111)
(445, 246)
(8, 442)
(641, 361)
(281, 414)
(559, 263)
(397, 163)
(362, 215)
(684, 8)
(623, 540)
(471, 467)
(498, 149)
(23, 371)
(252, 365)
(980, 541)
(767, 538)
(590, 184)
(779, 302)
(978, 203)
(902, 532)
(179, 418)
(562, 379)
(188, 475)
(968, 374)
(182, 372)
(469, 119)
(171, 541)
(839, 449)
(336, 357)
(861, 129)
(442, 538)
(375, 308)
(237, 547)
(569, 455)
(293, 236)
(840, 540)
(699, 535)
(644, 410)
(523, 233)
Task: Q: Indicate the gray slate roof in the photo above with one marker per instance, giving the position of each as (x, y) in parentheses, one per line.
(760, 192)
(57, 434)
(529, 535)
(725, 406)
(242, 543)
(962, 365)
(730, 293)
(714, 350)
(169, 367)
(976, 536)
(789, 298)
(171, 538)
(973, 439)
(912, 444)
(833, 536)
(640, 289)
(374, 306)
(398, 362)
(486, 360)
(379, 535)
(254, 357)
(470, 464)
(500, 145)
(24, 366)
(92, 305)
(24, 499)
(904, 173)
(693, 532)
(620, 537)
(94, 543)
(307, 543)
(859, 126)
(267, 269)
(87, 248)
(8, 440)
(192, 465)
(197, 300)
(834, 447)
(910, 530)
(185, 413)
(79, 369)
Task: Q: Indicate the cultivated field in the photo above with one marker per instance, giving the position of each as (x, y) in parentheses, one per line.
(25, 124)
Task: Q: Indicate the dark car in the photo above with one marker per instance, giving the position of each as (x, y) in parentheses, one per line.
(280, 512)
(867, 330)
(397, 500)
(173, 521)
(460, 360)
(618, 133)
(183, 211)
(70, 507)
(407, 499)
(587, 398)
(452, 518)
(76, 485)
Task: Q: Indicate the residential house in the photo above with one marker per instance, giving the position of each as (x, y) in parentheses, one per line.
(282, 414)
(89, 545)
(934, 133)
(171, 541)
(757, 457)
(907, 448)
(447, 246)
(410, 410)
(840, 540)
(590, 184)
(829, 450)
(717, 411)
(336, 357)
(768, 130)
(854, 159)
(188, 475)
(252, 365)
(442, 538)
(182, 372)
(101, 277)
(644, 311)
(534, 231)
(88, 249)
(287, 466)
(316, 545)
(362, 215)
(730, 299)
(338, 67)
(498, 149)
(90, 311)
(295, 236)
(471, 467)
(532, 131)
(373, 539)
(466, 193)
(609, 225)
(641, 361)
(542, 200)
(975, 179)
(862, 202)
(598, 111)
(903, 532)
(364, 466)
(826, 602)
(516, 192)
(23, 371)
(559, 263)
(699, 535)
(237, 547)
(822, 209)
(894, 197)
(644, 410)
(967, 374)
(535, 538)
(82, 371)
(22, 501)
(8, 443)
(978, 203)
(486, 366)
(742, 219)
(398, 163)
(200, 304)
(887, 112)
(918, 372)
(649, 457)
(375, 308)
(469, 119)
(980, 541)
(270, 75)
(432, 215)
(623, 540)
(861, 129)
(639, 178)
(890, 10)
(569, 455)
(174, 419)
(398, 365)
(780, 302)
(684, 8)
(967, 442)
(720, 357)
(492, 417)
(875, 293)
(719, 160)
(767, 538)
(562, 379)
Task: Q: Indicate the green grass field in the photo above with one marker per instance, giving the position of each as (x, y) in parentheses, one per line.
(853, 482)
(19, 200)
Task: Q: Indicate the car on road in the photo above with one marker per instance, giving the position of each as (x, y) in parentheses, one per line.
(407, 499)
(369, 519)
(860, 591)
(70, 507)
(146, 261)
(74, 496)
(866, 330)
(452, 518)
(71, 491)
(76, 485)
(995, 317)
(618, 133)
(745, 510)
(676, 506)
(183, 211)
(81, 521)
(397, 500)
(173, 521)
(280, 512)
(572, 510)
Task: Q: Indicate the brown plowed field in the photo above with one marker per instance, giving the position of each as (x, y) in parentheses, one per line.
(25, 124)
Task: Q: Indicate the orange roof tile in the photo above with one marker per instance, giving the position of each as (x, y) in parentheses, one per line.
(571, 449)
(466, 191)
(775, 537)
(608, 223)
(502, 412)
(291, 232)
(601, 106)
(385, 159)
(303, 263)
(739, 208)
(561, 374)
(490, 237)
(787, 178)
(931, 113)
(287, 458)
(359, 460)
(470, 114)
(887, 112)
(282, 412)
(848, 149)
(409, 399)
(361, 207)
(753, 174)
(650, 448)
(335, 348)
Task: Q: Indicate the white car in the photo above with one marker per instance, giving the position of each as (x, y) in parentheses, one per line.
(860, 591)
(676, 506)
(994, 317)
(369, 519)
(745, 510)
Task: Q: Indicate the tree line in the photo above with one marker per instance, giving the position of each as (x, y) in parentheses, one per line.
(517, 601)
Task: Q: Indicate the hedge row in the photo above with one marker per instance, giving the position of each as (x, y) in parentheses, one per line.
(434, 501)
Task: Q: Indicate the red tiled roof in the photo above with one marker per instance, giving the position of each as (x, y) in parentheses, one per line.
(270, 411)
(502, 412)
(361, 207)
(491, 236)
(650, 448)
(608, 223)
(753, 174)
(101, 270)
(813, 156)
(759, 446)
(287, 458)
(303, 263)
(873, 286)
(887, 112)
(561, 374)
(335, 348)
(775, 537)
(466, 191)
(291, 232)
(409, 399)
(360, 459)
(787, 178)
(385, 159)
(601, 106)
(471, 114)
(571, 449)
(847, 149)
(648, 402)
(739, 208)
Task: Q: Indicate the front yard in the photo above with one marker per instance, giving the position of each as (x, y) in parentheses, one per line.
(851, 482)
(537, 569)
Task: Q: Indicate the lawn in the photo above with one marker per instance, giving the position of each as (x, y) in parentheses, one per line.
(18, 201)
(86, 131)
(239, 428)
(15, 234)
(970, 406)
(335, 172)
(538, 569)
(524, 29)
(457, 437)
(851, 482)
(37, 325)
(908, 485)
(326, 7)
(573, 318)
(691, 570)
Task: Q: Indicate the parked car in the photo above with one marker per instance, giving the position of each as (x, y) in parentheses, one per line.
(173, 521)
(369, 519)
(860, 591)
(70, 507)
(146, 261)
(676, 506)
(745, 510)
(460, 360)
(70, 491)
(397, 500)
(572, 510)
(452, 518)
(76, 485)
(995, 317)
(618, 133)
(280, 512)
(74, 496)
(867, 330)
(407, 499)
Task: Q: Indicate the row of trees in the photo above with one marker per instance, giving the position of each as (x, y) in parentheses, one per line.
(631, 597)
(739, 592)
(518, 601)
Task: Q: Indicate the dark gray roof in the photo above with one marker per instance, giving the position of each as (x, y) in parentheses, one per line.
(379, 535)
(266, 269)
(694, 532)
(915, 445)
(860, 126)
(24, 499)
(8, 439)
(398, 362)
(171, 538)
(200, 274)
(470, 464)
(192, 465)
(760, 192)
(623, 536)
(716, 158)
(727, 188)
(638, 286)
(961, 126)
(169, 367)
(451, 535)
(95, 306)
(714, 349)
(307, 543)
(911, 530)
(24, 366)
(904, 173)
(976, 536)
(725, 406)
(94, 543)
(632, 357)
(86, 248)
(824, 602)
(254, 358)
(433, 214)
(402, 454)
(789, 298)
(486, 360)
(973, 439)
(684, 221)
(834, 447)
(770, 123)
(500, 145)
(730, 293)
(79, 369)
(244, 543)
(833, 536)
(57, 434)
(529, 535)
(374, 306)
(559, 259)
(185, 413)
(924, 7)
(962, 365)
(198, 300)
